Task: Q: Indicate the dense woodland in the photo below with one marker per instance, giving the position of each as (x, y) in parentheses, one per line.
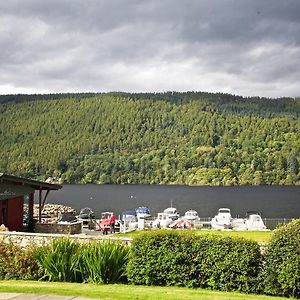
(151, 138)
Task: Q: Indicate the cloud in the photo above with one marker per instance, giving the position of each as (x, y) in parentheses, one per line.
(248, 47)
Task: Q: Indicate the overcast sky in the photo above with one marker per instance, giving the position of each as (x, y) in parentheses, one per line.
(244, 47)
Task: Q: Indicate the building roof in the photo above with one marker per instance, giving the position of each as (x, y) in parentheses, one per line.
(37, 185)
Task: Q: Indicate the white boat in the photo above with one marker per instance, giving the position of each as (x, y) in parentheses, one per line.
(191, 215)
(254, 221)
(172, 213)
(163, 220)
(142, 212)
(222, 220)
(129, 220)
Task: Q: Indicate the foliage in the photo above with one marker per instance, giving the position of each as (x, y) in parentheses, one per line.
(95, 262)
(282, 266)
(170, 258)
(179, 138)
(103, 262)
(17, 263)
(60, 260)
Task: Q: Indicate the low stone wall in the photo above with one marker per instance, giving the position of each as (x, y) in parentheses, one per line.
(25, 239)
(74, 228)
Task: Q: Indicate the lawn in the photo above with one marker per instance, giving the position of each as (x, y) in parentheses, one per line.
(121, 292)
(259, 236)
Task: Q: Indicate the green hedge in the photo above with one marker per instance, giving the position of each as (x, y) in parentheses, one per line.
(181, 259)
(282, 262)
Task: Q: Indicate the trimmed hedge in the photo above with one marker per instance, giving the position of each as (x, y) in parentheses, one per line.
(282, 262)
(182, 259)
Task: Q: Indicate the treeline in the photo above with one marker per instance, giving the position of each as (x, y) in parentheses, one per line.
(160, 138)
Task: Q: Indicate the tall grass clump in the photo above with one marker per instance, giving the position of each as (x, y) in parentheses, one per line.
(104, 262)
(59, 261)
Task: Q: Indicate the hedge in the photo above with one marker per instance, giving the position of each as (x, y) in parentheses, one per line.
(282, 262)
(181, 259)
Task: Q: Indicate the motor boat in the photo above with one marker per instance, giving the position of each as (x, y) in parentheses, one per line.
(129, 220)
(85, 215)
(163, 220)
(254, 221)
(142, 212)
(191, 215)
(222, 220)
(67, 218)
(172, 213)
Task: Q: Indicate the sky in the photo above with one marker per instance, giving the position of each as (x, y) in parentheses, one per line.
(242, 47)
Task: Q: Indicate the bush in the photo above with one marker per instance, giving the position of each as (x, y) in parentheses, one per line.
(17, 263)
(282, 262)
(104, 262)
(171, 258)
(70, 261)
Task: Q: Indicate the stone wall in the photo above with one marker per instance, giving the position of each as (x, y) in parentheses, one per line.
(73, 228)
(25, 239)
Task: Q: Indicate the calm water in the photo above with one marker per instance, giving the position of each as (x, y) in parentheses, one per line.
(271, 201)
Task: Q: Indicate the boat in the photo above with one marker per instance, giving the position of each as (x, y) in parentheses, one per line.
(191, 215)
(104, 224)
(254, 221)
(163, 220)
(85, 215)
(129, 220)
(142, 212)
(222, 220)
(67, 218)
(172, 213)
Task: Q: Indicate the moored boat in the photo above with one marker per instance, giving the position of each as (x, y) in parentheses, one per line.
(222, 220)
(191, 215)
(163, 220)
(142, 212)
(254, 221)
(85, 215)
(172, 213)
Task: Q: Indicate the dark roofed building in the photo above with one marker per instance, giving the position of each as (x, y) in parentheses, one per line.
(17, 193)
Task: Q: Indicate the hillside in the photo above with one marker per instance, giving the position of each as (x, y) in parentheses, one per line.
(174, 138)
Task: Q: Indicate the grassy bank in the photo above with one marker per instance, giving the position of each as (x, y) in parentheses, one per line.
(258, 236)
(121, 292)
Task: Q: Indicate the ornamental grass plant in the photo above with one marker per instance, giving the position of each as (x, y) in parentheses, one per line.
(59, 261)
(95, 262)
(104, 262)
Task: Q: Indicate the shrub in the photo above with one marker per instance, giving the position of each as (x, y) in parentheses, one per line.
(171, 258)
(17, 263)
(59, 261)
(95, 262)
(282, 261)
(104, 262)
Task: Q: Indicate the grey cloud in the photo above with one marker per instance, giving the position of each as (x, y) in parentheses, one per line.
(214, 45)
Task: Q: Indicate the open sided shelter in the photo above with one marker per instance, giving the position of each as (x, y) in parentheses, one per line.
(17, 193)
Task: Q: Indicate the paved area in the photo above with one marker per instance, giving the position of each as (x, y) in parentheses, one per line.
(22, 296)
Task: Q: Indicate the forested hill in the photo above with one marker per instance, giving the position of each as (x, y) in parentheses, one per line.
(176, 138)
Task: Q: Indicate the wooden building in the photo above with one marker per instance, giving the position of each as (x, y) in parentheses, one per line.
(17, 195)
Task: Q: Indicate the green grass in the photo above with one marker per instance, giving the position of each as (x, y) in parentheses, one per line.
(121, 292)
(259, 236)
